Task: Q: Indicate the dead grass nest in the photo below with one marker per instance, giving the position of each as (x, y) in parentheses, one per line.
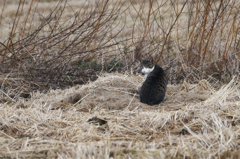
(104, 119)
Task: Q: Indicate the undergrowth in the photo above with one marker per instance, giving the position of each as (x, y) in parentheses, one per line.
(69, 43)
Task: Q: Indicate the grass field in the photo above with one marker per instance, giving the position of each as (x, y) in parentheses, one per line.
(70, 83)
(196, 121)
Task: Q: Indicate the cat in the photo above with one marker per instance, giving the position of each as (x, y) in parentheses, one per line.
(153, 90)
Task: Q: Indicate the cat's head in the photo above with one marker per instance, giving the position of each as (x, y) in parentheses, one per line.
(148, 63)
(147, 67)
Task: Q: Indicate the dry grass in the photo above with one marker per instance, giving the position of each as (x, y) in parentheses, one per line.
(195, 39)
(196, 121)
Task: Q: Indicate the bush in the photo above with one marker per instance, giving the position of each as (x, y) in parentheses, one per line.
(48, 48)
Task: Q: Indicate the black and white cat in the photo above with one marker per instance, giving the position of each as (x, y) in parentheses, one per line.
(153, 90)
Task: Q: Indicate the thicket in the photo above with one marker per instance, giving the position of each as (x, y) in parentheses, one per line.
(191, 39)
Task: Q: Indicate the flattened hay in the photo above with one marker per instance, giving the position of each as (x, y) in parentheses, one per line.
(104, 119)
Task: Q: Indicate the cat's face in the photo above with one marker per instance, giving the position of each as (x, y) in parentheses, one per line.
(147, 71)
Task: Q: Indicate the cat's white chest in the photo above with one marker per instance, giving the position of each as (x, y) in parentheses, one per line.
(146, 71)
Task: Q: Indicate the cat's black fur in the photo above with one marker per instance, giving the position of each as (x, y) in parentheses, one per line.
(154, 88)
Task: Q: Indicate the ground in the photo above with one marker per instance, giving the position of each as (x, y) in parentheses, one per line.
(196, 121)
